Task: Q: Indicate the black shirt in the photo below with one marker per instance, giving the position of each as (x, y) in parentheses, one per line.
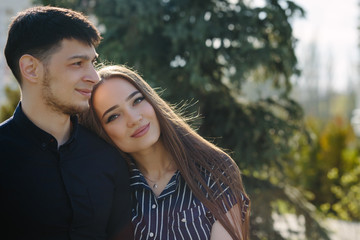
(77, 191)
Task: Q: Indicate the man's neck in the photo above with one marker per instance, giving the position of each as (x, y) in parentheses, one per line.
(52, 122)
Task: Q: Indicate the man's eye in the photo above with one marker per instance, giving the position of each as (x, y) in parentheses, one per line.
(138, 100)
(112, 118)
(77, 64)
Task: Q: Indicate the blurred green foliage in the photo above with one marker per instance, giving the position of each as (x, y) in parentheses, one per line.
(328, 169)
(12, 99)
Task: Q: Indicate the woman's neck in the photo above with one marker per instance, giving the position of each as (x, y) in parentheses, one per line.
(155, 162)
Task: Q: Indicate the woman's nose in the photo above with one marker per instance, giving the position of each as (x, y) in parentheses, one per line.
(134, 118)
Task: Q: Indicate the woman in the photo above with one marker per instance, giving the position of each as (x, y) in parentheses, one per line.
(184, 187)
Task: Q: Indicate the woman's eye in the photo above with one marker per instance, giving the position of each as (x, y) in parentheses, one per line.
(112, 118)
(138, 100)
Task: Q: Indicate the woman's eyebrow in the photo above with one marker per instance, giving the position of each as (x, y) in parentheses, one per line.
(109, 110)
(116, 106)
(131, 95)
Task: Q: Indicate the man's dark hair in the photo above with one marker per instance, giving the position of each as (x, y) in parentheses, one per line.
(38, 31)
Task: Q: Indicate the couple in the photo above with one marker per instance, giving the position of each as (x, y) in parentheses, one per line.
(157, 179)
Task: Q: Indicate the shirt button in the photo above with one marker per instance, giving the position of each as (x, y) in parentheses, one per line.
(183, 220)
(151, 234)
(153, 206)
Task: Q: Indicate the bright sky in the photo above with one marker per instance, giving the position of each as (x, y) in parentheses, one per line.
(332, 25)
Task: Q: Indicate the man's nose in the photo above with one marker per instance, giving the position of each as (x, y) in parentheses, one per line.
(92, 76)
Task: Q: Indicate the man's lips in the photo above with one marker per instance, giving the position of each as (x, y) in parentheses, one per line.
(84, 91)
(141, 131)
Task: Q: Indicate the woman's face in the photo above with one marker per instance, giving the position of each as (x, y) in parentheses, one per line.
(128, 119)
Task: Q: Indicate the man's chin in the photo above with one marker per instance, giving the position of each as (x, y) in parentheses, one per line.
(73, 110)
(81, 108)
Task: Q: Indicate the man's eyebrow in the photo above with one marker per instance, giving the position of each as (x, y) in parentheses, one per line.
(85, 57)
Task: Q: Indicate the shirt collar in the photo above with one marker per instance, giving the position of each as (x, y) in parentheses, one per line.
(43, 138)
(136, 177)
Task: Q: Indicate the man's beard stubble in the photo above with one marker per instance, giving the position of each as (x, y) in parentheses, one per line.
(54, 102)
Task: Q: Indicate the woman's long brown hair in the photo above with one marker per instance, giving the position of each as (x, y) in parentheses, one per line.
(193, 155)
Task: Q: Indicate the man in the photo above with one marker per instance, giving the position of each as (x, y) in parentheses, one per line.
(57, 179)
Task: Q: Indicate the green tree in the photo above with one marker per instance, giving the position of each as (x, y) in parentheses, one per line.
(206, 51)
(13, 97)
(330, 168)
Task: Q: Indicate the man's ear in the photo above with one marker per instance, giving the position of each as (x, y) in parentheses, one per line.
(30, 68)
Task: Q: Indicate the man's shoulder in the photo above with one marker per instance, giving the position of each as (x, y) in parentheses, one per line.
(6, 128)
(84, 133)
(91, 140)
(10, 137)
(98, 148)
(6, 122)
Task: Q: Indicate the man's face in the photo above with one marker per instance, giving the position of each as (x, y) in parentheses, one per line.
(69, 77)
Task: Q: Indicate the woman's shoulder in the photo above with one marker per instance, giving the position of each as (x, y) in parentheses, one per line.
(222, 166)
(221, 177)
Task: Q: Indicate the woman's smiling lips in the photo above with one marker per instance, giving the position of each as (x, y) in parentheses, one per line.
(141, 131)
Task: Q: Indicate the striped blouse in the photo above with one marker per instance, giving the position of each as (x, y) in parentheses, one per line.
(175, 214)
